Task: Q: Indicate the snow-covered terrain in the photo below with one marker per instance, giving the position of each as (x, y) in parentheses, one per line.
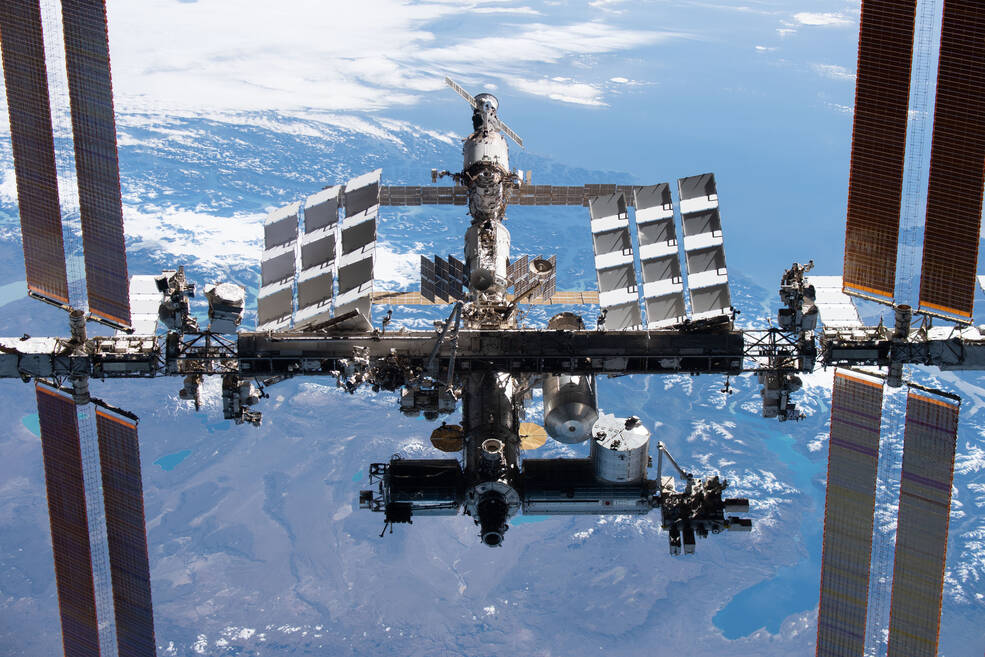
(256, 543)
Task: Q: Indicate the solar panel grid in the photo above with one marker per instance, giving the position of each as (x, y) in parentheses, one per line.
(119, 459)
(878, 146)
(29, 109)
(65, 488)
(957, 164)
(96, 159)
(853, 452)
(929, 443)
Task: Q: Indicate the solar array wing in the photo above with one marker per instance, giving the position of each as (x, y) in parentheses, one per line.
(461, 92)
(929, 442)
(565, 195)
(441, 288)
(96, 160)
(33, 148)
(704, 247)
(126, 534)
(278, 267)
(318, 255)
(835, 308)
(663, 285)
(65, 487)
(614, 262)
(849, 502)
(954, 194)
(428, 195)
(882, 93)
(427, 279)
(358, 245)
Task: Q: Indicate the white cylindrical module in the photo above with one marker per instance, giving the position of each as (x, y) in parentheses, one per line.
(487, 148)
(487, 248)
(620, 449)
(570, 408)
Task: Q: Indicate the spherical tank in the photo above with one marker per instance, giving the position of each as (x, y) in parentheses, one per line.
(620, 449)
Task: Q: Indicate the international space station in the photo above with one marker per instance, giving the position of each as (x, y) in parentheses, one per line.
(664, 308)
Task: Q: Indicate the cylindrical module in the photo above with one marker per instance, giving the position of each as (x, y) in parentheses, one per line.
(570, 407)
(487, 148)
(487, 247)
(620, 449)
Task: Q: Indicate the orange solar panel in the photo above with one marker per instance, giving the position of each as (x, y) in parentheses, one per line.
(96, 161)
(65, 487)
(126, 534)
(921, 532)
(957, 165)
(34, 151)
(850, 496)
(882, 94)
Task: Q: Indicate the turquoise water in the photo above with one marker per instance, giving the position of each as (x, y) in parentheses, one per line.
(171, 461)
(32, 423)
(794, 588)
(357, 477)
(521, 520)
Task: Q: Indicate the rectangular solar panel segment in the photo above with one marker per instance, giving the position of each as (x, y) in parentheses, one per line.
(96, 160)
(281, 226)
(849, 502)
(322, 209)
(957, 166)
(362, 194)
(65, 489)
(126, 534)
(882, 93)
(28, 106)
(660, 265)
(929, 442)
(704, 247)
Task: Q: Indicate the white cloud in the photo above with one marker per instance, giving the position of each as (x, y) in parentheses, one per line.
(833, 71)
(248, 55)
(578, 93)
(826, 19)
(765, 49)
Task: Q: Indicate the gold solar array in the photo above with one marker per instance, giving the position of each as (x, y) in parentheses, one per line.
(882, 95)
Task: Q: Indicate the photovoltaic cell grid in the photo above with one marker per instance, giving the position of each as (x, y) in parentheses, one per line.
(704, 247)
(853, 454)
(525, 195)
(96, 162)
(929, 443)
(614, 261)
(33, 147)
(660, 265)
(119, 459)
(65, 489)
(957, 165)
(278, 266)
(443, 280)
(882, 93)
(358, 244)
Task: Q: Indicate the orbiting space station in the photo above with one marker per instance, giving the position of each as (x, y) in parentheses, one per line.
(663, 308)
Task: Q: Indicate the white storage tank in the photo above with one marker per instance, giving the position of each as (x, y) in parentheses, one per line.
(620, 449)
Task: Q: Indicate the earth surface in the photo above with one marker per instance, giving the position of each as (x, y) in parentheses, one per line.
(257, 547)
